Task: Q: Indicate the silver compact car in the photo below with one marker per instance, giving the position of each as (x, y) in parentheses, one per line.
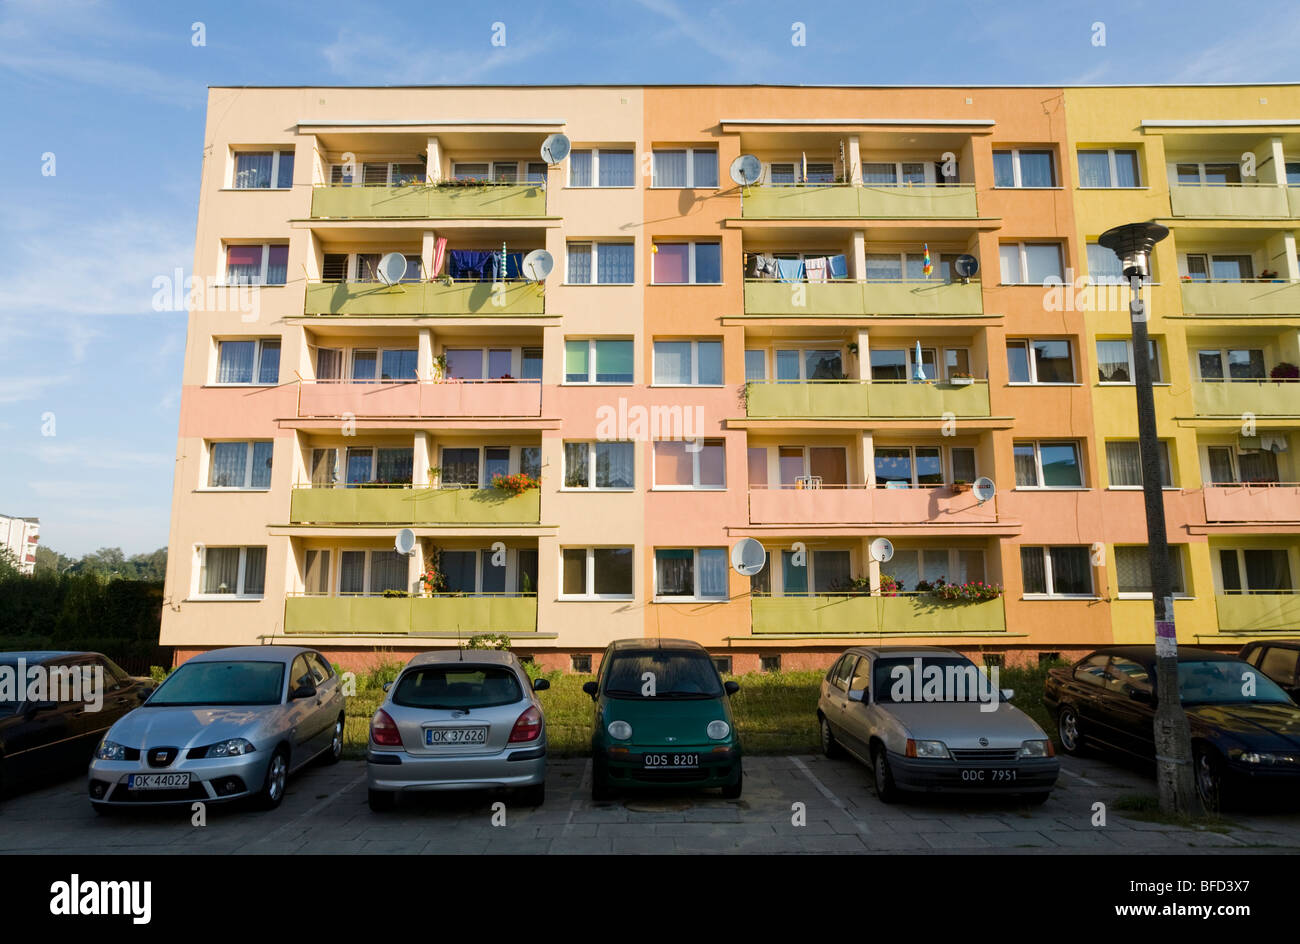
(927, 719)
(228, 724)
(458, 720)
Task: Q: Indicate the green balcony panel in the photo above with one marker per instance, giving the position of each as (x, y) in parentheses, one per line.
(425, 202)
(824, 399)
(1240, 201)
(841, 297)
(943, 203)
(1241, 298)
(906, 614)
(420, 505)
(928, 297)
(1236, 398)
(424, 298)
(900, 398)
(800, 202)
(922, 613)
(1258, 612)
(405, 615)
(853, 398)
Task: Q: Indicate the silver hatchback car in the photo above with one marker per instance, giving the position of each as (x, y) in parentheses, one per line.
(458, 720)
(227, 724)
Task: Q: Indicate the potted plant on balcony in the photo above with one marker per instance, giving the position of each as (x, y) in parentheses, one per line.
(959, 485)
(1284, 371)
(890, 586)
(1268, 275)
(961, 378)
(433, 580)
(517, 483)
(973, 591)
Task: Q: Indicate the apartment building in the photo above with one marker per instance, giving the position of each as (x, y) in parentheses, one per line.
(800, 360)
(20, 536)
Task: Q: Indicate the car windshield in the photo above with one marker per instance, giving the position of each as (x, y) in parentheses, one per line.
(457, 686)
(930, 679)
(677, 674)
(1226, 683)
(222, 683)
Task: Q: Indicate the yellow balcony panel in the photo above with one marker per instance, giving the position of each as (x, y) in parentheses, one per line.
(903, 398)
(427, 202)
(904, 614)
(1258, 612)
(923, 613)
(852, 398)
(1236, 398)
(924, 297)
(838, 297)
(1241, 298)
(1231, 201)
(424, 298)
(954, 202)
(800, 201)
(1293, 198)
(416, 505)
(366, 616)
(829, 398)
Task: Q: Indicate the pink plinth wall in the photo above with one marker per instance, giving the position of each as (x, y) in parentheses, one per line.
(489, 398)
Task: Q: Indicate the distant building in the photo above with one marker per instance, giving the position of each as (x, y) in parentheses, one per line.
(20, 535)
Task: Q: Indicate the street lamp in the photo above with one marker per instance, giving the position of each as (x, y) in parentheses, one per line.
(1133, 243)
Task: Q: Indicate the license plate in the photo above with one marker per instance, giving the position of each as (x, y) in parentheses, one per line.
(157, 781)
(434, 736)
(988, 775)
(671, 761)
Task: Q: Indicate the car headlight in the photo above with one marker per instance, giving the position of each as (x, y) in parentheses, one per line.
(619, 730)
(231, 748)
(928, 749)
(1255, 758)
(110, 750)
(1035, 749)
(718, 730)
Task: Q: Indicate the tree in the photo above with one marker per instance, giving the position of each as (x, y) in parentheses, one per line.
(8, 564)
(50, 561)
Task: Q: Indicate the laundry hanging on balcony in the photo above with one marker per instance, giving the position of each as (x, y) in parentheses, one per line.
(815, 269)
(484, 265)
(760, 265)
(789, 270)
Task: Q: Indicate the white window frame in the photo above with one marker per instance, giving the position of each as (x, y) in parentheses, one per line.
(594, 245)
(796, 165)
(1038, 464)
(337, 583)
(1032, 362)
(1114, 166)
(353, 271)
(591, 365)
(945, 463)
(1024, 259)
(1179, 555)
(239, 594)
(928, 169)
(589, 576)
(690, 256)
(1164, 444)
(248, 467)
(776, 569)
(1049, 578)
(257, 362)
(516, 357)
(1246, 589)
(953, 560)
(261, 274)
(1015, 168)
(276, 151)
(690, 168)
(1132, 369)
(1184, 268)
(515, 460)
(695, 454)
(347, 353)
(591, 466)
(483, 560)
(1196, 349)
(696, 596)
(936, 260)
(1200, 173)
(360, 165)
(595, 169)
(695, 361)
(521, 169)
(341, 463)
(801, 348)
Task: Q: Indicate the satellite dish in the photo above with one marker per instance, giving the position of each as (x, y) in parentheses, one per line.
(537, 265)
(882, 550)
(746, 169)
(748, 557)
(983, 489)
(405, 542)
(555, 148)
(392, 268)
(965, 266)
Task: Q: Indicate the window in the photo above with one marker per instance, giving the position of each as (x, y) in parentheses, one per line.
(824, 571)
(364, 267)
(770, 663)
(1207, 174)
(1279, 664)
(811, 465)
(580, 663)
(905, 266)
(248, 362)
(685, 167)
(910, 466)
(900, 173)
(240, 464)
(1254, 570)
(459, 465)
(1115, 361)
(1124, 464)
(596, 573)
(1242, 364)
(789, 172)
(370, 465)
(598, 361)
(234, 571)
(1217, 267)
(900, 363)
(1023, 168)
(600, 264)
(755, 365)
(493, 363)
(372, 573)
(599, 465)
(602, 167)
(263, 170)
(503, 172)
(1061, 571)
(378, 173)
(1133, 570)
(1230, 466)
(688, 363)
(695, 464)
(694, 263)
(909, 566)
(804, 364)
(1104, 267)
(691, 573)
(722, 664)
(257, 265)
(1040, 361)
(1030, 263)
(481, 572)
(1112, 167)
(316, 573)
(1093, 671)
(1047, 465)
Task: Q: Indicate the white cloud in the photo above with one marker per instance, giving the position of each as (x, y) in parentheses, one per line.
(16, 389)
(364, 54)
(87, 454)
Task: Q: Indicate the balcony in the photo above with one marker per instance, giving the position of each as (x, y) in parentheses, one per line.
(429, 202)
(424, 298)
(846, 297)
(838, 505)
(421, 504)
(1258, 612)
(1263, 297)
(1227, 504)
(852, 201)
(1293, 198)
(847, 399)
(487, 399)
(904, 615)
(1229, 201)
(365, 616)
(1238, 397)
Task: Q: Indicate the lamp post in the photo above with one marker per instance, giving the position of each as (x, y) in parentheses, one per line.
(1133, 243)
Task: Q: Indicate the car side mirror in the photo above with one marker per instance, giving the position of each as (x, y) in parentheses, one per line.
(303, 691)
(591, 688)
(387, 686)
(541, 684)
(731, 687)
(858, 694)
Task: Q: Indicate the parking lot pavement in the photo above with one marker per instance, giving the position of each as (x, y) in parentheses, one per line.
(790, 805)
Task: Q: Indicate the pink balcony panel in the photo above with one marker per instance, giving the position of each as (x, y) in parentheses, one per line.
(486, 399)
(1225, 503)
(867, 506)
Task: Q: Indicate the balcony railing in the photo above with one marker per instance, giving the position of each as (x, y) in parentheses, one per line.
(1252, 502)
(412, 504)
(865, 398)
(859, 201)
(429, 201)
(444, 613)
(438, 297)
(1258, 612)
(1237, 397)
(477, 398)
(932, 297)
(854, 614)
(863, 504)
(1252, 297)
(1240, 201)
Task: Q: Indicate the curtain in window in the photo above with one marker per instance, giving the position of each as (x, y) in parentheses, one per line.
(268, 366)
(614, 263)
(614, 464)
(1258, 466)
(254, 571)
(1132, 570)
(672, 263)
(530, 460)
(352, 572)
(1070, 570)
(579, 170)
(1221, 466)
(709, 369)
(1033, 574)
(674, 572)
(360, 463)
(394, 466)
(253, 170)
(579, 263)
(526, 571)
(963, 464)
(1026, 468)
(614, 362)
(1267, 570)
(673, 464)
(262, 464)
(496, 461)
(284, 178)
(672, 362)
(460, 568)
(1094, 170)
(879, 174)
(236, 365)
(460, 467)
(713, 572)
(970, 567)
(277, 265)
(1123, 463)
(670, 168)
(617, 169)
(398, 365)
(1112, 362)
(1043, 262)
(323, 471)
(1126, 169)
(881, 266)
(221, 570)
(705, 167)
(755, 365)
(1009, 263)
(905, 567)
(1104, 267)
(388, 571)
(713, 461)
(465, 364)
(316, 572)
(494, 577)
(831, 571)
(1036, 169)
(576, 465)
(794, 580)
(329, 364)
(1004, 172)
(761, 582)
(228, 464)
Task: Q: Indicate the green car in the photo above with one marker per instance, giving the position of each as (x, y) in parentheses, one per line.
(662, 718)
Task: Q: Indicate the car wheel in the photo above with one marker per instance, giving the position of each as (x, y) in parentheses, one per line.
(382, 801)
(533, 796)
(1067, 727)
(277, 776)
(732, 790)
(1209, 778)
(335, 751)
(830, 747)
(600, 788)
(886, 791)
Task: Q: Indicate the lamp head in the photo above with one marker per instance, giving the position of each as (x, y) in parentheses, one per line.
(1133, 242)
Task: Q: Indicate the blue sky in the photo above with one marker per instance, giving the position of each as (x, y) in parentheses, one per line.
(116, 91)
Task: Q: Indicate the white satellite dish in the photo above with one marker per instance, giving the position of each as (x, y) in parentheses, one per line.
(555, 148)
(405, 542)
(882, 550)
(748, 557)
(392, 268)
(537, 265)
(983, 489)
(746, 170)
